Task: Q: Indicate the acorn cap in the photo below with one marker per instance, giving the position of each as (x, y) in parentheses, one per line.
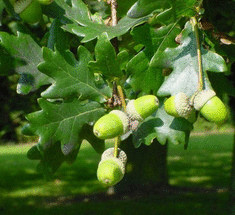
(202, 97)
(182, 105)
(110, 171)
(21, 5)
(178, 106)
(109, 153)
(132, 112)
(142, 107)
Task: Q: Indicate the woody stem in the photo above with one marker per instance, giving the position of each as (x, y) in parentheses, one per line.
(199, 58)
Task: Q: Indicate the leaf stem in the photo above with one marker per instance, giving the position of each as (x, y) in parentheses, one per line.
(113, 4)
(199, 55)
(118, 139)
(117, 142)
(122, 97)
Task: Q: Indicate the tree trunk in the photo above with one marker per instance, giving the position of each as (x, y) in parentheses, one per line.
(146, 167)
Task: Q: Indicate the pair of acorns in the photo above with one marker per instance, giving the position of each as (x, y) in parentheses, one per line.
(29, 11)
(205, 101)
(117, 123)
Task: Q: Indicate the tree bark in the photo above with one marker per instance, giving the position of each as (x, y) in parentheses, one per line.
(146, 167)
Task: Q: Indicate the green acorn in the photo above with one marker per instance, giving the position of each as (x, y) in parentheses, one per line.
(111, 125)
(110, 171)
(45, 2)
(210, 106)
(142, 107)
(178, 106)
(29, 10)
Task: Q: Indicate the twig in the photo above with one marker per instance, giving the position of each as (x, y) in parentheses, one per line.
(199, 59)
(117, 142)
(122, 97)
(113, 4)
(199, 55)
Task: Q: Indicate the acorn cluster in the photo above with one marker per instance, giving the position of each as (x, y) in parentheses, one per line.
(30, 11)
(205, 101)
(116, 123)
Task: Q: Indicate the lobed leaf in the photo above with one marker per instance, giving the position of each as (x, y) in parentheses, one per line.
(63, 122)
(26, 54)
(144, 75)
(71, 77)
(106, 60)
(184, 62)
(82, 24)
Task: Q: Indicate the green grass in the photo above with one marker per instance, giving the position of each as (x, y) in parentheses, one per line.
(206, 164)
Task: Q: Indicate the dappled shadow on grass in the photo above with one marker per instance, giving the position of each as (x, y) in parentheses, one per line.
(166, 201)
(200, 177)
(206, 163)
(19, 176)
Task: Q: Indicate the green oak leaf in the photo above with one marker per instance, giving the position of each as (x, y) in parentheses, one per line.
(169, 10)
(97, 144)
(83, 25)
(57, 37)
(51, 158)
(144, 76)
(106, 60)
(183, 60)
(7, 62)
(144, 7)
(63, 122)
(26, 55)
(71, 76)
(163, 127)
(2, 6)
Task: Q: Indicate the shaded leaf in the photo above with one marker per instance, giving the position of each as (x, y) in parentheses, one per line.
(27, 55)
(62, 122)
(51, 158)
(7, 63)
(87, 134)
(57, 37)
(34, 153)
(144, 76)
